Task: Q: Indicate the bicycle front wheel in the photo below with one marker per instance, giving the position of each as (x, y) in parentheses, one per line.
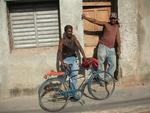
(51, 96)
(101, 85)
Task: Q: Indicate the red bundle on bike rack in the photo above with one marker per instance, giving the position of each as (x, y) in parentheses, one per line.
(53, 73)
(86, 63)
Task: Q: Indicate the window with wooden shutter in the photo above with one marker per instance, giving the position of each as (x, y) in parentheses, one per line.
(99, 11)
(34, 24)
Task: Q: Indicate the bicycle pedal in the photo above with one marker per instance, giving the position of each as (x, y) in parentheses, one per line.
(72, 99)
(82, 102)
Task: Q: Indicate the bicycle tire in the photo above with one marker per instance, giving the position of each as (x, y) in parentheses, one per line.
(50, 97)
(101, 88)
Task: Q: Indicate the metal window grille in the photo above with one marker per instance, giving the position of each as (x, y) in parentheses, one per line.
(34, 25)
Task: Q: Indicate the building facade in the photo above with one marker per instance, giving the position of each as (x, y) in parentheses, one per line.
(30, 32)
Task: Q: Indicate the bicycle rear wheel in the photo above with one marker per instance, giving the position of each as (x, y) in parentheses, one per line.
(101, 87)
(51, 97)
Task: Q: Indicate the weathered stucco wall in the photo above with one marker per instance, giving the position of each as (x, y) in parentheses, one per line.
(144, 40)
(135, 37)
(22, 70)
(128, 14)
(4, 48)
(70, 13)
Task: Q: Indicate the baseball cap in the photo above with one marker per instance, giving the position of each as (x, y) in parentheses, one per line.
(113, 15)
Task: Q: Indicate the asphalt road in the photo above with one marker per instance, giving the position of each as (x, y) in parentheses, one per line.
(98, 107)
(124, 100)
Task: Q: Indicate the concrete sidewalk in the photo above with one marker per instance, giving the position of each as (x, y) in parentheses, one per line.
(120, 96)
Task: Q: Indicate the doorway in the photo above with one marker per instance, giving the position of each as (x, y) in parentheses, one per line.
(99, 10)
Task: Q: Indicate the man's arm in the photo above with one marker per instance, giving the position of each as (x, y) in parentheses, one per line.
(94, 21)
(80, 48)
(118, 41)
(60, 50)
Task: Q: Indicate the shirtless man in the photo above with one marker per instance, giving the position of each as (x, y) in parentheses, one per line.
(106, 43)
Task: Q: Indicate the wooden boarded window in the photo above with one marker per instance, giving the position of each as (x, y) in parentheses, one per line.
(99, 11)
(34, 24)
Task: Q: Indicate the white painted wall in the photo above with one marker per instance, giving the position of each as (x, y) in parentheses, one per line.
(25, 68)
(135, 37)
(129, 37)
(144, 40)
(70, 12)
(4, 48)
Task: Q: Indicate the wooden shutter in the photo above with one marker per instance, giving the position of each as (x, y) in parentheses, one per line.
(34, 25)
(47, 25)
(92, 31)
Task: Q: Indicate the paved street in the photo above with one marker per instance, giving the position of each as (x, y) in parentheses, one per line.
(124, 100)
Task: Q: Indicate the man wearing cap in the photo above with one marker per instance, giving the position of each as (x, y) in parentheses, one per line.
(107, 42)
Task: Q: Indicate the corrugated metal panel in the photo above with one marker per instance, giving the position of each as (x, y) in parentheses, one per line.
(34, 25)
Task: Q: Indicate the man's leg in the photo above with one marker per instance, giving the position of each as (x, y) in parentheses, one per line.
(74, 73)
(72, 60)
(111, 61)
(74, 78)
(101, 55)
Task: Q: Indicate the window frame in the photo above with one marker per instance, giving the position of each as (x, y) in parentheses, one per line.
(11, 38)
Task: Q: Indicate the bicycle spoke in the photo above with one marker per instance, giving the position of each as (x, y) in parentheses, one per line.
(97, 90)
(110, 84)
(51, 98)
(99, 87)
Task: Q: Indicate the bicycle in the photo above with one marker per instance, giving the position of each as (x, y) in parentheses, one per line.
(100, 78)
(57, 91)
